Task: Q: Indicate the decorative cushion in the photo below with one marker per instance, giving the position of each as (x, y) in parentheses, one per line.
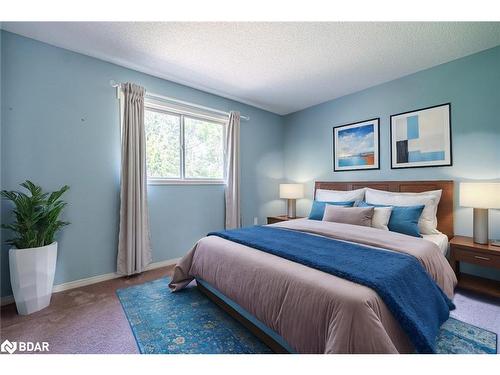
(404, 219)
(430, 199)
(318, 208)
(381, 216)
(349, 215)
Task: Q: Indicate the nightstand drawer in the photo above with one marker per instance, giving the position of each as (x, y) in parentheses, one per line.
(277, 219)
(273, 220)
(476, 257)
(464, 249)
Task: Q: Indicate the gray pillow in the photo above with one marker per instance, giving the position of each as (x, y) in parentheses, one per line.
(349, 215)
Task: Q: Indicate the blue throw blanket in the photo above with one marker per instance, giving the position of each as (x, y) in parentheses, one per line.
(414, 299)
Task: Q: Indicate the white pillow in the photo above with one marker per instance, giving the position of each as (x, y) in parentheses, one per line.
(428, 220)
(323, 195)
(381, 217)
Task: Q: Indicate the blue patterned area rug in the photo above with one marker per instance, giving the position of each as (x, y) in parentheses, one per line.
(187, 322)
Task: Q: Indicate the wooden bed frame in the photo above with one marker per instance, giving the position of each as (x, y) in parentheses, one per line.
(445, 208)
(275, 346)
(445, 225)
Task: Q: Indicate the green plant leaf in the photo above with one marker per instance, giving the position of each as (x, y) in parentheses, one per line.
(57, 194)
(36, 216)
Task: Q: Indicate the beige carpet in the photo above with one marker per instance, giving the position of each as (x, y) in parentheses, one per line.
(91, 320)
(83, 320)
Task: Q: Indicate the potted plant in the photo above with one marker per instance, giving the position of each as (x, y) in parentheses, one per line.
(32, 259)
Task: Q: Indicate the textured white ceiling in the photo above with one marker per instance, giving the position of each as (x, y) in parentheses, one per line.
(281, 67)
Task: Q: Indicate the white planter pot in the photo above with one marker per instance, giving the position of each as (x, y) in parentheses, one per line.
(32, 277)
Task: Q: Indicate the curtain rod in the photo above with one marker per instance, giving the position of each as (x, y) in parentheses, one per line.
(182, 102)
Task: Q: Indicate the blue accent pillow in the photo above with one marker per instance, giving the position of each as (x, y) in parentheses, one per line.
(404, 219)
(318, 208)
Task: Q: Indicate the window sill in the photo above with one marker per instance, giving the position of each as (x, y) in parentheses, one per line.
(185, 182)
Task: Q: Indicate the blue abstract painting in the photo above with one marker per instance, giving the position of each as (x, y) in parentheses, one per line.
(421, 138)
(356, 146)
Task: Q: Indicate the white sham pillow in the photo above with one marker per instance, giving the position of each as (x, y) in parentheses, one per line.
(323, 195)
(427, 223)
(381, 217)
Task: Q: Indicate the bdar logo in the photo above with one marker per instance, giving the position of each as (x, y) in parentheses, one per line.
(24, 346)
(9, 347)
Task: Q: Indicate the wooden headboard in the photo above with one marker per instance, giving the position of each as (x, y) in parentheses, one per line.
(445, 208)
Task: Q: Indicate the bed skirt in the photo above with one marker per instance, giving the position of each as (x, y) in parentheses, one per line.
(278, 344)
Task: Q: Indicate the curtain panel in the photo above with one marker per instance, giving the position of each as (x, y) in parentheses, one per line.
(232, 186)
(134, 245)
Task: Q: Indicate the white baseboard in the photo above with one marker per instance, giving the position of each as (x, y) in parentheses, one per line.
(7, 300)
(163, 263)
(93, 280)
(84, 282)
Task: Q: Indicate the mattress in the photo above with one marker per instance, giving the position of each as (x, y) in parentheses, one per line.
(312, 311)
(439, 239)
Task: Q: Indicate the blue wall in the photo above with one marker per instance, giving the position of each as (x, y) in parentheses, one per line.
(1, 89)
(60, 126)
(471, 84)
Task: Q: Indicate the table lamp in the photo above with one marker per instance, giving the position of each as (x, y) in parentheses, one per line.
(481, 197)
(291, 192)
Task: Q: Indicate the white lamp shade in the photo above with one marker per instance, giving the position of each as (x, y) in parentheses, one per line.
(480, 195)
(291, 191)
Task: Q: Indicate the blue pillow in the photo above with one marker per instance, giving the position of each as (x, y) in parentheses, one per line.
(404, 219)
(318, 208)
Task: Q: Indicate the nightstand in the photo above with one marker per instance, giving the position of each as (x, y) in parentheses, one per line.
(464, 249)
(277, 219)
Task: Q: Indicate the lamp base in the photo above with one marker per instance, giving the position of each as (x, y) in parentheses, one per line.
(481, 226)
(291, 209)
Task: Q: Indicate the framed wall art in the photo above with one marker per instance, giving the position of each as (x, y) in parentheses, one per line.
(356, 146)
(421, 138)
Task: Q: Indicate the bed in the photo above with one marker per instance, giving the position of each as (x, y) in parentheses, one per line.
(300, 309)
(441, 240)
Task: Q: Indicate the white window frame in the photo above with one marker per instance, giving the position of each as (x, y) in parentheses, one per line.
(183, 112)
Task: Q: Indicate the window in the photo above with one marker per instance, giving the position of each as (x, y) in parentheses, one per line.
(203, 149)
(163, 144)
(182, 147)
